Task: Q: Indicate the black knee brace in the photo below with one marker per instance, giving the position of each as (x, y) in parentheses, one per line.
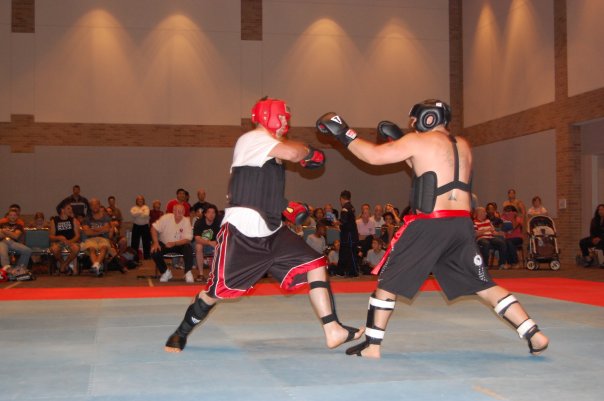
(196, 313)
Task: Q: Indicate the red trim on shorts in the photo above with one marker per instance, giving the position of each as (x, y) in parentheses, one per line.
(437, 214)
(286, 284)
(221, 289)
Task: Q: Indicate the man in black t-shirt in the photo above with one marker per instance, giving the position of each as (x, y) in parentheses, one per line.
(204, 236)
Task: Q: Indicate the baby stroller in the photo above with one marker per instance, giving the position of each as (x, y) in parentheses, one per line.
(543, 245)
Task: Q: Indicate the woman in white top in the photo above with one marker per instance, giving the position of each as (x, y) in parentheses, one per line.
(140, 226)
(537, 209)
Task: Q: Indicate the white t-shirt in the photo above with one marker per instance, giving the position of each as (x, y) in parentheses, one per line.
(373, 257)
(316, 243)
(365, 228)
(378, 223)
(170, 231)
(251, 149)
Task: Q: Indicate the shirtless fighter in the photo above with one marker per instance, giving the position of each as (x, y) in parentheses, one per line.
(439, 236)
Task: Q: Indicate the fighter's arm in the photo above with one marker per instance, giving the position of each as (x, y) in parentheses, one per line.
(289, 150)
(386, 153)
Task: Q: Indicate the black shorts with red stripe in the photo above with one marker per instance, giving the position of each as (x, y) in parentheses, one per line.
(241, 261)
(442, 243)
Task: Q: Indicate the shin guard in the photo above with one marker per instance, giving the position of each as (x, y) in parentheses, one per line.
(373, 333)
(332, 317)
(195, 314)
(526, 329)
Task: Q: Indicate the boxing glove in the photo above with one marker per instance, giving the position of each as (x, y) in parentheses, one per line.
(296, 212)
(333, 124)
(389, 131)
(314, 159)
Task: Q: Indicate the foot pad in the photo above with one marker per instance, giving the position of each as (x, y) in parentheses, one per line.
(176, 341)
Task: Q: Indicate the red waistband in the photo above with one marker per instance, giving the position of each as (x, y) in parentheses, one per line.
(438, 214)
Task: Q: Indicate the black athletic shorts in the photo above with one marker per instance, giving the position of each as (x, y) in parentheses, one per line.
(240, 261)
(443, 245)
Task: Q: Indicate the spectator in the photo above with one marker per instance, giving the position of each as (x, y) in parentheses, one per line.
(318, 215)
(537, 209)
(378, 216)
(488, 239)
(517, 203)
(494, 216)
(79, 204)
(333, 258)
(140, 226)
(201, 200)
(181, 199)
(374, 255)
(96, 228)
(172, 233)
(155, 213)
(512, 227)
(17, 209)
(204, 235)
(39, 222)
(65, 236)
(596, 236)
(331, 214)
(114, 212)
(349, 237)
(366, 228)
(391, 209)
(388, 228)
(11, 229)
(316, 240)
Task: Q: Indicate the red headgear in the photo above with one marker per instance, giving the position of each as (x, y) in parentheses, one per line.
(266, 113)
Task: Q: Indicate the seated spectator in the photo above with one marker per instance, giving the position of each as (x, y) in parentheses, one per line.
(494, 216)
(65, 236)
(181, 199)
(39, 222)
(201, 200)
(11, 230)
(204, 236)
(378, 215)
(488, 239)
(395, 216)
(517, 203)
(17, 209)
(318, 215)
(79, 204)
(388, 228)
(374, 255)
(366, 229)
(96, 229)
(596, 236)
(333, 257)
(172, 233)
(113, 211)
(512, 228)
(155, 213)
(537, 208)
(316, 240)
(140, 226)
(331, 214)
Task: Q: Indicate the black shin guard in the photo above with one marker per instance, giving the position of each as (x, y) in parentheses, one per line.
(373, 333)
(332, 317)
(195, 314)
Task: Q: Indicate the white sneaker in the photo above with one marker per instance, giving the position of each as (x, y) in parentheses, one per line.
(166, 276)
(189, 277)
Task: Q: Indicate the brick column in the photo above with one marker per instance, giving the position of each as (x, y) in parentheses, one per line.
(251, 19)
(456, 65)
(23, 18)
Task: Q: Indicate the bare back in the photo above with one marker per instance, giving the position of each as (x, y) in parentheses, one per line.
(433, 151)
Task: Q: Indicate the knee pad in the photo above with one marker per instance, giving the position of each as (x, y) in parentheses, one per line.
(374, 333)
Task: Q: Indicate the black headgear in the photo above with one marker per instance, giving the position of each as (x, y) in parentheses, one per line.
(430, 113)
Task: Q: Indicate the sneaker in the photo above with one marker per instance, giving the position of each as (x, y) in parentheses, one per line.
(166, 276)
(189, 277)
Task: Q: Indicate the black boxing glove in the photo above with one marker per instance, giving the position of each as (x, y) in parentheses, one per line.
(333, 124)
(296, 212)
(389, 131)
(314, 159)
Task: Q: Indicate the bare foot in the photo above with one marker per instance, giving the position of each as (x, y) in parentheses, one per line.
(172, 350)
(539, 341)
(336, 335)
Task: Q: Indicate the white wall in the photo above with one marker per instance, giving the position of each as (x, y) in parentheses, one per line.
(526, 164)
(38, 181)
(183, 62)
(508, 57)
(585, 48)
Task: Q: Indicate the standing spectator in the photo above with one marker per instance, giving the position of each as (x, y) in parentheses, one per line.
(140, 226)
(517, 203)
(65, 235)
(10, 232)
(537, 209)
(155, 213)
(79, 204)
(204, 235)
(201, 200)
(596, 236)
(349, 237)
(172, 233)
(96, 229)
(378, 216)
(181, 199)
(316, 240)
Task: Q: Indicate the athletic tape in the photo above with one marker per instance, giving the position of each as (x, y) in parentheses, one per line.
(504, 303)
(373, 333)
(381, 304)
(525, 327)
